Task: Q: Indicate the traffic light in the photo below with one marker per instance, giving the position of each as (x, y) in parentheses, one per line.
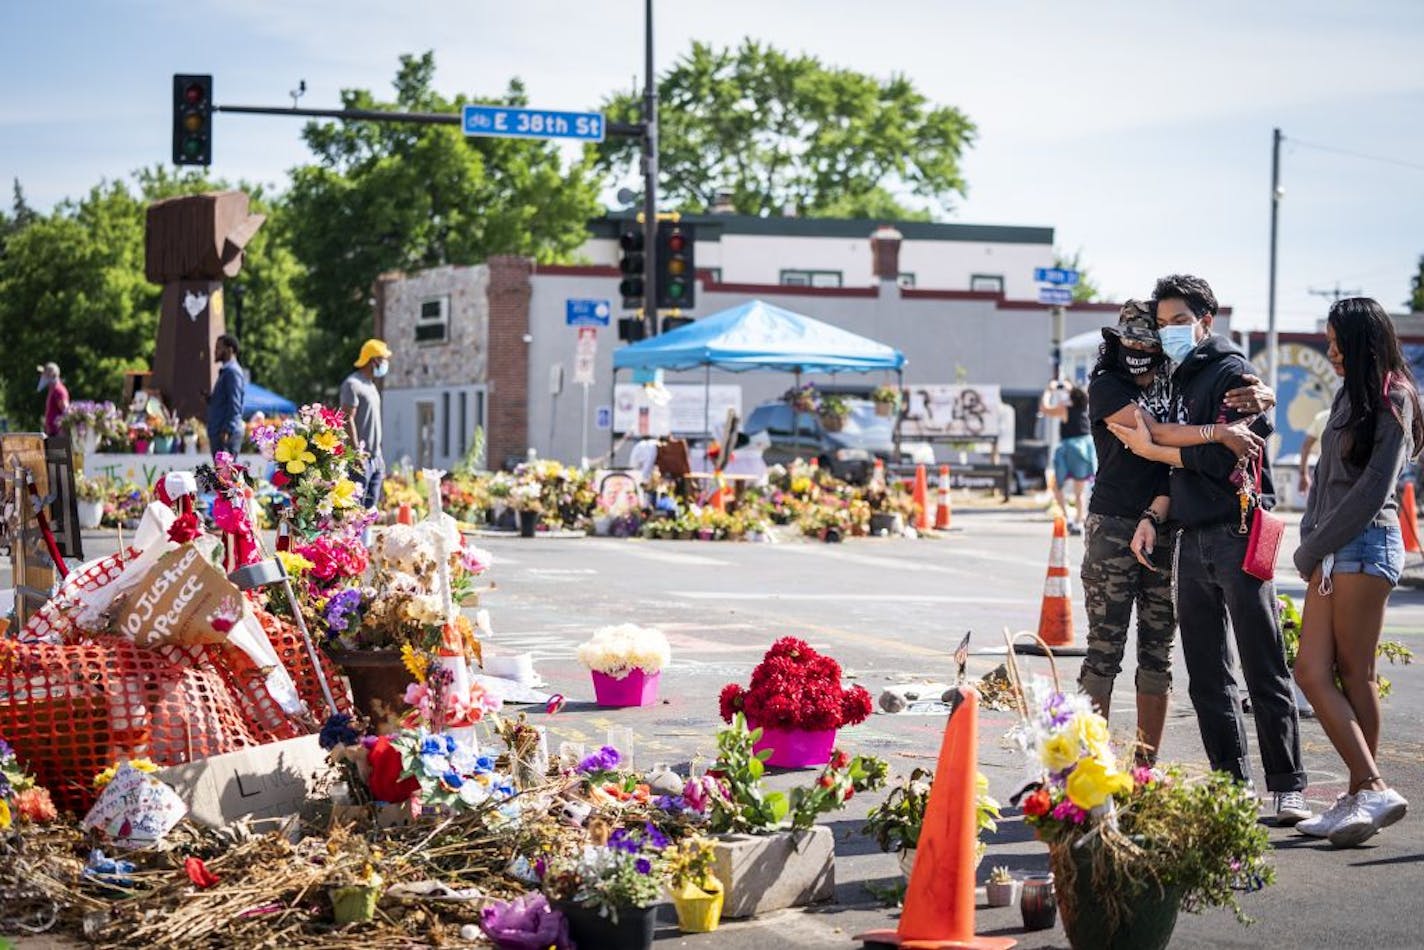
(676, 265)
(192, 120)
(631, 264)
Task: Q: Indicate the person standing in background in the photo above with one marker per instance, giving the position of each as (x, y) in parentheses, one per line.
(1075, 459)
(225, 404)
(1312, 439)
(361, 401)
(56, 401)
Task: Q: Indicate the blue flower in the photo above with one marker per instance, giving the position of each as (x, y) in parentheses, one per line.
(452, 781)
(338, 731)
(506, 790)
(643, 866)
(431, 745)
(484, 764)
(449, 744)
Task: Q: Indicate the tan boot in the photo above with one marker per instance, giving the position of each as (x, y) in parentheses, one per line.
(1151, 720)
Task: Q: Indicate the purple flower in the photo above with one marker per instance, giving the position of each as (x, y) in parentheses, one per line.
(526, 923)
(655, 837)
(643, 866)
(670, 804)
(621, 840)
(1069, 812)
(605, 759)
(341, 607)
(6, 752)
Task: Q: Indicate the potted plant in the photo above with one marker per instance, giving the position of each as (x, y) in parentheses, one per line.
(188, 431)
(1130, 847)
(527, 499)
(803, 398)
(626, 662)
(834, 411)
(89, 422)
(354, 895)
(886, 399)
(896, 822)
(797, 702)
(140, 438)
(164, 434)
(1002, 890)
(695, 891)
(609, 891)
(90, 494)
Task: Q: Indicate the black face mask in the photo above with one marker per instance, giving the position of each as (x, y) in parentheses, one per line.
(1137, 362)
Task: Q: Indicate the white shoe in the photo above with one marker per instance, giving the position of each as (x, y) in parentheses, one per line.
(1384, 808)
(1291, 809)
(1321, 825)
(1355, 828)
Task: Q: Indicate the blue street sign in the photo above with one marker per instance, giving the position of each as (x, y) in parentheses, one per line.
(586, 313)
(1055, 275)
(603, 418)
(507, 122)
(1057, 296)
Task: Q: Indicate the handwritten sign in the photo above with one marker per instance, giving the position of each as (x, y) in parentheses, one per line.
(183, 599)
(135, 809)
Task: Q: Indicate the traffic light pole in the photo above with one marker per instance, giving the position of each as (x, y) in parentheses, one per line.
(650, 178)
(621, 129)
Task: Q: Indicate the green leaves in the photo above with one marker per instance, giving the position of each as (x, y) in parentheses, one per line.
(788, 133)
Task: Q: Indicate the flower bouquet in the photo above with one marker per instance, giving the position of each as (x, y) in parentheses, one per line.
(626, 662)
(886, 399)
(803, 398)
(695, 891)
(609, 889)
(1129, 846)
(21, 799)
(314, 460)
(797, 702)
(90, 422)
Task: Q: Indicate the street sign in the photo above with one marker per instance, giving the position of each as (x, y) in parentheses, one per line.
(1057, 296)
(603, 418)
(585, 355)
(506, 122)
(586, 313)
(1055, 275)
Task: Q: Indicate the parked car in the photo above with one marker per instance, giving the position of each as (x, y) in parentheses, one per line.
(848, 454)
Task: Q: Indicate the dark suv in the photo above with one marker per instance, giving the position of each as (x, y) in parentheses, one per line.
(849, 454)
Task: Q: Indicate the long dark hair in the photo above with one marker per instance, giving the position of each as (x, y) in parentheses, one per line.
(1374, 368)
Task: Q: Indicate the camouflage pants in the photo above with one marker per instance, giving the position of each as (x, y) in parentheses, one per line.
(1112, 582)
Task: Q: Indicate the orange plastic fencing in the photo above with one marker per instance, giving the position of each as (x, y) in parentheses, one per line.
(72, 709)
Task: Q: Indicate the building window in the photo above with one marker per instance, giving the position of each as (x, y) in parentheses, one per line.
(906, 280)
(811, 278)
(433, 324)
(988, 283)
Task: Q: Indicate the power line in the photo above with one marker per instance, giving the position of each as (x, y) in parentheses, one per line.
(1337, 294)
(1361, 155)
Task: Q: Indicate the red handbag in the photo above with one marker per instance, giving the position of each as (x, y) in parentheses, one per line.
(1266, 532)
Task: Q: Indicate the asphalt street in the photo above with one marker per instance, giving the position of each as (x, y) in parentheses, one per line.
(892, 611)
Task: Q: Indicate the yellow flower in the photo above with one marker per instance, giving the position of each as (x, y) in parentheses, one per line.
(1094, 781)
(1059, 752)
(292, 450)
(4, 815)
(105, 777)
(326, 441)
(294, 564)
(1091, 730)
(417, 664)
(343, 493)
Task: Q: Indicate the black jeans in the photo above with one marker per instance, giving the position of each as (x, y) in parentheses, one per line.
(1210, 586)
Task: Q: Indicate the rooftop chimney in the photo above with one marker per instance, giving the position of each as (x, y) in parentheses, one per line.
(885, 253)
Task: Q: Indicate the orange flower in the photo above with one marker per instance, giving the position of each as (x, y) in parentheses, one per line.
(1037, 804)
(34, 804)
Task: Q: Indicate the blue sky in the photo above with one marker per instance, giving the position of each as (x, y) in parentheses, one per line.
(1141, 132)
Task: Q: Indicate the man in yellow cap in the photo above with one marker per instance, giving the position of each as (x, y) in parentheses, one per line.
(361, 401)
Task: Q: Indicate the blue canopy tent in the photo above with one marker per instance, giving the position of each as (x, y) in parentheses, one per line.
(759, 335)
(260, 399)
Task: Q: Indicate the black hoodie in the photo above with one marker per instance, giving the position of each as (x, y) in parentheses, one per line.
(1204, 490)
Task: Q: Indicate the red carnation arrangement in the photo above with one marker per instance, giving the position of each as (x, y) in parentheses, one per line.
(794, 687)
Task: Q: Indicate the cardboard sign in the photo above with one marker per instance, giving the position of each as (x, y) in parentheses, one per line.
(962, 412)
(184, 599)
(266, 781)
(136, 809)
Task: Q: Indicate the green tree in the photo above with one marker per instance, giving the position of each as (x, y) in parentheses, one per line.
(1416, 289)
(1086, 290)
(788, 133)
(385, 196)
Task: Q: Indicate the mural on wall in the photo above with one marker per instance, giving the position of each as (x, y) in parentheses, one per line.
(1307, 384)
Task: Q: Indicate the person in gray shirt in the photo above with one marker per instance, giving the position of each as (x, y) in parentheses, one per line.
(361, 401)
(1351, 554)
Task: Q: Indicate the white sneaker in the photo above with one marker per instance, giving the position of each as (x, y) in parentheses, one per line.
(1321, 825)
(1291, 809)
(1355, 828)
(1384, 808)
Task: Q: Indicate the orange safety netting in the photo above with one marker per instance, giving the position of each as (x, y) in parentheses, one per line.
(72, 709)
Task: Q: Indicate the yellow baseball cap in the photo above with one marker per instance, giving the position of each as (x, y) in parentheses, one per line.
(371, 350)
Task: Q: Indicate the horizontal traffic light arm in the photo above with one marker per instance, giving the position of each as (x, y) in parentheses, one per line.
(625, 129)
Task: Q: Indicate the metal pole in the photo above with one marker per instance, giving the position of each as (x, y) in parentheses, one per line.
(707, 404)
(583, 442)
(1058, 331)
(1272, 352)
(650, 177)
(613, 406)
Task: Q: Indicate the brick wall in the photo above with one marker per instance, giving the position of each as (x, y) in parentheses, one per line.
(460, 359)
(507, 364)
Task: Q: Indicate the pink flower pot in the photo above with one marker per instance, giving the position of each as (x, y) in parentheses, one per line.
(797, 748)
(636, 689)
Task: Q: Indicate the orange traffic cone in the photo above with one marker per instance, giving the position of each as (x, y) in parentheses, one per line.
(922, 490)
(1055, 619)
(404, 515)
(1409, 519)
(877, 474)
(939, 903)
(942, 510)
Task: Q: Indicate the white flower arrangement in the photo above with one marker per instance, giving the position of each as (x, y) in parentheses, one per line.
(617, 651)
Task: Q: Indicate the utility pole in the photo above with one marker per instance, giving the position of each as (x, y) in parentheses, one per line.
(650, 177)
(1272, 341)
(1337, 294)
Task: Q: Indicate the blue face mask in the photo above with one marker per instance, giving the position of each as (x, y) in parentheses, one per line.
(1178, 341)
(381, 369)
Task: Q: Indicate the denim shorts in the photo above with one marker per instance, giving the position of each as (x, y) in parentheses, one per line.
(1378, 550)
(1075, 458)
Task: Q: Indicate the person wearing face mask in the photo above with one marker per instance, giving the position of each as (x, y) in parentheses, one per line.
(1125, 524)
(56, 400)
(361, 401)
(1206, 491)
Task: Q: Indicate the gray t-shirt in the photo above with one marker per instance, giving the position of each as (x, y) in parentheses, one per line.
(359, 392)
